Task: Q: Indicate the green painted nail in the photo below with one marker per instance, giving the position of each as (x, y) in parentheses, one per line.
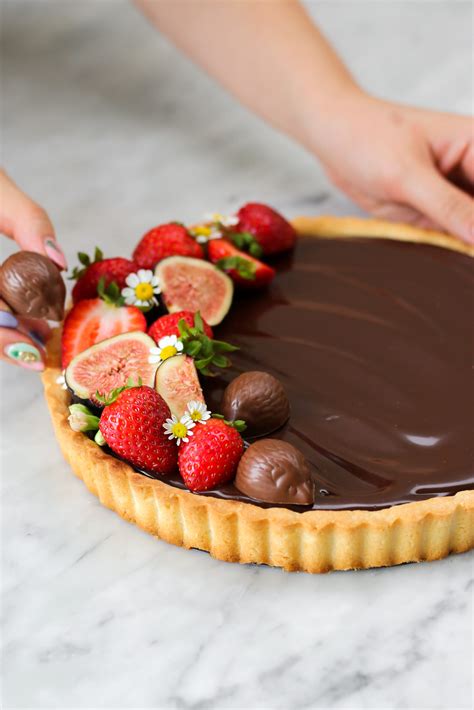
(25, 354)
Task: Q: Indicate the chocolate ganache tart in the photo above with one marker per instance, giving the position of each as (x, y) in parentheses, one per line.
(368, 326)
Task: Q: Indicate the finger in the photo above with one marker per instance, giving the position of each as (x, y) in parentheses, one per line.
(17, 347)
(457, 161)
(467, 163)
(38, 330)
(27, 223)
(441, 202)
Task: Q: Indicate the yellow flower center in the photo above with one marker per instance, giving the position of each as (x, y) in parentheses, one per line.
(202, 230)
(168, 351)
(144, 292)
(179, 430)
(195, 415)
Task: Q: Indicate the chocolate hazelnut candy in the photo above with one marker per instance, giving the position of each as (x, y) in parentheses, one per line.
(274, 471)
(259, 399)
(32, 286)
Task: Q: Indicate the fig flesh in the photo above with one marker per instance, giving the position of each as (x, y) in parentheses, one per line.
(195, 285)
(110, 364)
(178, 383)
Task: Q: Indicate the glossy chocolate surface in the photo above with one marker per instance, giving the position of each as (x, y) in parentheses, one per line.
(372, 340)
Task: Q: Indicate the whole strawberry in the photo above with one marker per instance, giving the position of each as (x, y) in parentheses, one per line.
(87, 278)
(272, 231)
(133, 428)
(165, 240)
(211, 455)
(168, 325)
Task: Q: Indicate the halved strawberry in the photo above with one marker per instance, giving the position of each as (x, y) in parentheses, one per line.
(88, 277)
(93, 320)
(243, 269)
(165, 240)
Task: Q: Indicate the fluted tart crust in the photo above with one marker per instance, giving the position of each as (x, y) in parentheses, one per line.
(234, 531)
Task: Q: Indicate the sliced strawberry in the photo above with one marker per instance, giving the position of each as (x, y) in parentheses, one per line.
(165, 240)
(271, 230)
(93, 320)
(116, 269)
(243, 269)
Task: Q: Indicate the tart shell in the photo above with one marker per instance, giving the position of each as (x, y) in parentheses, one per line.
(315, 541)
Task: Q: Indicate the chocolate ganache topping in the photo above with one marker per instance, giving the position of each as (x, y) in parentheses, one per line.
(372, 341)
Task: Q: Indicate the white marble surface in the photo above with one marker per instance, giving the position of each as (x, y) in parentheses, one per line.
(108, 127)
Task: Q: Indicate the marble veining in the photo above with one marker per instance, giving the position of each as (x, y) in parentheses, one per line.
(109, 128)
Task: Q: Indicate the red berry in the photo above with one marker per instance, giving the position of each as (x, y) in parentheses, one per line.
(133, 428)
(211, 456)
(92, 321)
(165, 240)
(116, 269)
(168, 325)
(272, 231)
(243, 268)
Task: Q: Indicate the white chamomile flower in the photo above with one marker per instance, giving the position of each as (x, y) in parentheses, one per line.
(141, 289)
(212, 227)
(168, 346)
(226, 220)
(198, 412)
(61, 380)
(179, 429)
(206, 232)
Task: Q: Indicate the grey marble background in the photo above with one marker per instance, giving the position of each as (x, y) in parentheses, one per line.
(107, 126)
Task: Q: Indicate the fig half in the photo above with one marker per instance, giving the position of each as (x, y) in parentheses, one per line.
(189, 284)
(178, 383)
(110, 364)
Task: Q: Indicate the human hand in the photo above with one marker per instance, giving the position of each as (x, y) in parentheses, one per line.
(21, 219)
(401, 163)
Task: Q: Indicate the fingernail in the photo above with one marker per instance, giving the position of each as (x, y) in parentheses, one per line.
(25, 355)
(55, 253)
(8, 320)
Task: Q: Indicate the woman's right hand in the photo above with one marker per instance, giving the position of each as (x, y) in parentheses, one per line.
(22, 339)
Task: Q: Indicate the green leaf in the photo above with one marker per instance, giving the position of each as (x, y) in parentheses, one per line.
(203, 362)
(83, 258)
(246, 242)
(192, 348)
(222, 347)
(183, 328)
(111, 293)
(220, 361)
(237, 424)
(198, 322)
(112, 396)
(256, 250)
(245, 268)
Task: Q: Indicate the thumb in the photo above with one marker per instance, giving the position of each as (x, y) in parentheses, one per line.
(27, 223)
(443, 203)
